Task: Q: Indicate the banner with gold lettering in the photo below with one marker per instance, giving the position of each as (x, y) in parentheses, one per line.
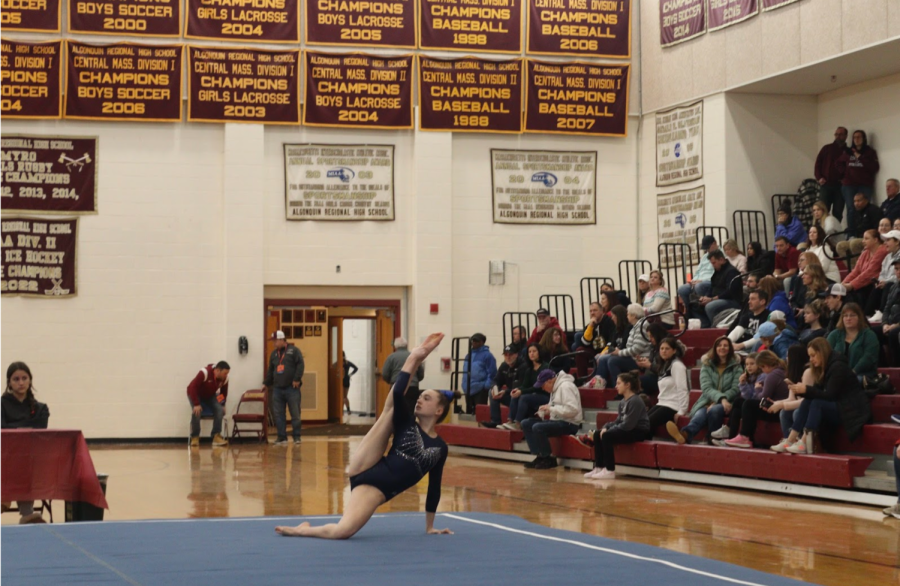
(352, 23)
(32, 77)
(577, 98)
(470, 95)
(486, 26)
(592, 28)
(356, 90)
(143, 18)
(773, 4)
(260, 21)
(124, 81)
(723, 13)
(243, 85)
(39, 257)
(49, 174)
(36, 16)
(681, 20)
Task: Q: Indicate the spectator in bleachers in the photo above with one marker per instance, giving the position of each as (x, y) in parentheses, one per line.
(545, 321)
(789, 226)
(749, 320)
(896, 225)
(621, 295)
(623, 359)
(884, 226)
(504, 382)
(886, 277)
(834, 301)
(750, 384)
(724, 291)
(866, 216)
(813, 315)
(481, 368)
(778, 300)
(812, 283)
(735, 255)
(519, 340)
(650, 365)
(562, 415)
(750, 283)
(835, 398)
(823, 250)
(854, 339)
(828, 223)
(861, 280)
(608, 300)
(657, 298)
(889, 328)
(858, 165)
(619, 316)
(719, 378)
(787, 335)
(786, 256)
(643, 287)
(890, 207)
(527, 396)
(631, 425)
(894, 510)
(774, 388)
(553, 347)
(699, 284)
(785, 409)
(673, 384)
(829, 174)
(599, 330)
(760, 262)
(21, 410)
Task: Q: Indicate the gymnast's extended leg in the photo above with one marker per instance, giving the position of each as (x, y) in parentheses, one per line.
(364, 499)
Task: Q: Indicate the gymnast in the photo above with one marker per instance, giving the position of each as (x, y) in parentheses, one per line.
(416, 450)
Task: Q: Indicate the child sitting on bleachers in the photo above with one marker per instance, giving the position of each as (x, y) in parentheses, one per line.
(750, 384)
(631, 425)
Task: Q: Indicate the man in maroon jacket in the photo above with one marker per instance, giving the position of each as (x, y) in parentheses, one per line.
(829, 175)
(209, 389)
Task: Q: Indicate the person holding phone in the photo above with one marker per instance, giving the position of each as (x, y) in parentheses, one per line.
(774, 388)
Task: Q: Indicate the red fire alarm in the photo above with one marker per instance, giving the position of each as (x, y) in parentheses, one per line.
(445, 364)
(434, 308)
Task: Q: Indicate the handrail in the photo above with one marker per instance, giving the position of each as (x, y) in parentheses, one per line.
(646, 320)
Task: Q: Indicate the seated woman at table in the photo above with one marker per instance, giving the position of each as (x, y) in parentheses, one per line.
(21, 410)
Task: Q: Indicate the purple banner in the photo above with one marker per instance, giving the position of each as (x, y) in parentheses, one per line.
(724, 13)
(773, 4)
(680, 20)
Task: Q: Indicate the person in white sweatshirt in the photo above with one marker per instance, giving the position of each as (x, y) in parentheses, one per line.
(674, 384)
(561, 416)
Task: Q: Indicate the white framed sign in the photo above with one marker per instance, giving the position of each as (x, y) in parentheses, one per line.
(679, 214)
(679, 145)
(544, 187)
(339, 182)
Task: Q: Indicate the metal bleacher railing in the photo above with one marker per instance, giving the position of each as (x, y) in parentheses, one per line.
(777, 200)
(750, 226)
(562, 307)
(628, 278)
(675, 263)
(459, 373)
(720, 233)
(513, 319)
(590, 292)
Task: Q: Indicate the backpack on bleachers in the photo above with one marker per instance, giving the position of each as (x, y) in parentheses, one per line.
(877, 384)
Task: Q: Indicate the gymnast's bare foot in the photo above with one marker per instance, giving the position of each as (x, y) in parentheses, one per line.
(297, 531)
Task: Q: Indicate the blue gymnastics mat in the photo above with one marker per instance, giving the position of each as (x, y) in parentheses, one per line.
(392, 549)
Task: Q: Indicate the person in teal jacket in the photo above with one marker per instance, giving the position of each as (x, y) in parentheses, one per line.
(719, 381)
(854, 339)
(478, 373)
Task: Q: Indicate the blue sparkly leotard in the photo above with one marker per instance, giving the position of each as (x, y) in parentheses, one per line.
(413, 454)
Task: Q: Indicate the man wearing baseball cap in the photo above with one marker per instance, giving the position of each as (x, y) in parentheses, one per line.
(834, 301)
(505, 381)
(886, 277)
(561, 416)
(700, 283)
(545, 320)
(284, 376)
(888, 331)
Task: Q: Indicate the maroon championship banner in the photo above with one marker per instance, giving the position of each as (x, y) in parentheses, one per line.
(470, 95)
(261, 21)
(243, 85)
(773, 4)
(592, 28)
(124, 82)
(49, 174)
(486, 26)
(39, 257)
(723, 13)
(577, 98)
(32, 76)
(353, 23)
(355, 90)
(36, 16)
(144, 18)
(681, 20)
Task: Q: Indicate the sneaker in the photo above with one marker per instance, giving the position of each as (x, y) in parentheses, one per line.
(593, 473)
(675, 432)
(896, 419)
(893, 511)
(739, 441)
(546, 463)
(512, 426)
(489, 424)
(280, 442)
(533, 463)
(605, 475)
(721, 433)
(296, 441)
(195, 442)
(782, 446)
(720, 443)
(31, 519)
(798, 447)
(218, 440)
(877, 317)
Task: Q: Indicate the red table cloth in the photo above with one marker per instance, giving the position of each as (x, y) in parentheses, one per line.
(48, 464)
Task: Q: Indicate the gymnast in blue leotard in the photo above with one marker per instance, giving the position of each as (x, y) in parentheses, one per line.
(417, 450)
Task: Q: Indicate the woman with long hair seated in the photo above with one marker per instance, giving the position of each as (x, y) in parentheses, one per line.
(774, 388)
(650, 365)
(657, 298)
(553, 346)
(760, 262)
(673, 384)
(786, 409)
(835, 399)
(825, 252)
(814, 313)
(855, 340)
(528, 396)
(812, 284)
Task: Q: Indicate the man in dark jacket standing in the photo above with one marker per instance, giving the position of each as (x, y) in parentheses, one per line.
(284, 376)
(829, 175)
(209, 389)
(726, 289)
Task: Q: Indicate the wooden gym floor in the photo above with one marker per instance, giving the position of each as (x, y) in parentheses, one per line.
(816, 541)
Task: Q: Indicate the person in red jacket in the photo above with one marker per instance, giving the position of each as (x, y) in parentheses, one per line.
(859, 165)
(829, 175)
(861, 280)
(209, 389)
(545, 322)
